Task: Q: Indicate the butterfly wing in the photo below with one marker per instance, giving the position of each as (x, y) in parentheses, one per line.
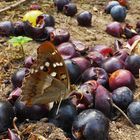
(49, 79)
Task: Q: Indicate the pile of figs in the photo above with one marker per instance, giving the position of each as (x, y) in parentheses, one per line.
(104, 76)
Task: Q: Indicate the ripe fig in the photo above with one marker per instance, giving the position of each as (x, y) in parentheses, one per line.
(95, 73)
(82, 62)
(37, 33)
(65, 115)
(90, 124)
(67, 50)
(133, 112)
(115, 29)
(59, 36)
(110, 5)
(74, 71)
(34, 112)
(103, 49)
(19, 28)
(84, 18)
(70, 9)
(121, 78)
(132, 63)
(121, 54)
(112, 64)
(47, 19)
(60, 4)
(80, 47)
(6, 28)
(17, 77)
(103, 100)
(122, 97)
(95, 57)
(118, 13)
(6, 115)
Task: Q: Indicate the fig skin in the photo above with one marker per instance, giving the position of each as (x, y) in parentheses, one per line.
(59, 4)
(70, 9)
(121, 78)
(122, 97)
(84, 19)
(90, 124)
(133, 112)
(7, 115)
(65, 116)
(6, 28)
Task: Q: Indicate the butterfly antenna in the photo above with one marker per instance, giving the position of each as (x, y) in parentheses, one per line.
(59, 105)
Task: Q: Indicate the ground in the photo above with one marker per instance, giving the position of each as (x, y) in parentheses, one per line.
(120, 129)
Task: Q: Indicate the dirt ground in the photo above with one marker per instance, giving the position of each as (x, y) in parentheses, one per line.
(120, 129)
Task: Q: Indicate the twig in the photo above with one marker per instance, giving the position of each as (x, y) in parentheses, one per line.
(13, 5)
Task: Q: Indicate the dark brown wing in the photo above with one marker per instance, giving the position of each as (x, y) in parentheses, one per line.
(49, 57)
(41, 88)
(49, 79)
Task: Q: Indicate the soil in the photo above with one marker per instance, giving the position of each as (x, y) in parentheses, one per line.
(11, 60)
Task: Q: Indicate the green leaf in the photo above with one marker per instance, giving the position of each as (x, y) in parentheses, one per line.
(19, 40)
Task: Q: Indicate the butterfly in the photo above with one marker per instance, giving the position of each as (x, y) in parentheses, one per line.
(48, 80)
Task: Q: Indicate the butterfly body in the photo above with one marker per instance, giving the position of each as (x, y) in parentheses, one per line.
(48, 80)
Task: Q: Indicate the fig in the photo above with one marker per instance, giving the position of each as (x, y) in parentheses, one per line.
(95, 73)
(19, 28)
(115, 29)
(84, 18)
(65, 115)
(95, 58)
(7, 115)
(133, 112)
(121, 78)
(37, 33)
(90, 124)
(59, 36)
(59, 4)
(122, 97)
(82, 62)
(18, 76)
(110, 5)
(103, 49)
(73, 70)
(34, 112)
(121, 54)
(118, 13)
(70, 9)
(80, 47)
(47, 19)
(6, 28)
(67, 50)
(132, 63)
(103, 100)
(112, 64)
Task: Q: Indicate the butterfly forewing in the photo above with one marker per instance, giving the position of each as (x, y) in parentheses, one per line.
(49, 79)
(53, 63)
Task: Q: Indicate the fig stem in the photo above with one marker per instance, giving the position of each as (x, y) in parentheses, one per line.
(122, 112)
(124, 115)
